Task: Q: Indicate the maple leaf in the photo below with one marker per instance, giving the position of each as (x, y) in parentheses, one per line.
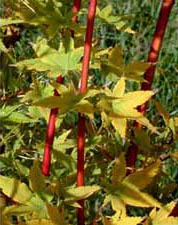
(124, 106)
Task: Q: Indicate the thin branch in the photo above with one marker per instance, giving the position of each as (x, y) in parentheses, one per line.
(81, 123)
(149, 74)
(53, 113)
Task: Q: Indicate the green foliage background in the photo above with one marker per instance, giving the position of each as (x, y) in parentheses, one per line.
(24, 121)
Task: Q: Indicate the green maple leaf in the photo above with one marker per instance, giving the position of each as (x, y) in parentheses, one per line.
(53, 61)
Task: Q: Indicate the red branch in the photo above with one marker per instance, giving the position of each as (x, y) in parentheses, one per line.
(50, 135)
(53, 113)
(83, 87)
(156, 46)
(75, 9)
(152, 58)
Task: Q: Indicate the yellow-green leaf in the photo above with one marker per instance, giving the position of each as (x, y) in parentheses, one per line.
(56, 214)
(168, 221)
(136, 67)
(119, 169)
(144, 177)
(126, 105)
(77, 193)
(15, 189)
(105, 12)
(162, 111)
(3, 47)
(131, 195)
(161, 217)
(120, 125)
(37, 180)
(121, 110)
(128, 221)
(114, 220)
(9, 21)
(145, 122)
(37, 222)
(52, 60)
(119, 88)
(64, 102)
(18, 210)
(163, 212)
(136, 98)
(118, 205)
(115, 56)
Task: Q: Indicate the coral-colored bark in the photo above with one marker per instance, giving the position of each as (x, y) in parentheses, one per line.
(83, 86)
(50, 135)
(53, 113)
(75, 9)
(152, 58)
(156, 46)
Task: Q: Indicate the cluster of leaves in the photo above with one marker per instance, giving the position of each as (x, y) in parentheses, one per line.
(110, 110)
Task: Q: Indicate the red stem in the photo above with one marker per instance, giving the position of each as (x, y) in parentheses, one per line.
(75, 9)
(156, 46)
(81, 123)
(50, 135)
(152, 58)
(53, 113)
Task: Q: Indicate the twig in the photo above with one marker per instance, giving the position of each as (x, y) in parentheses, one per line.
(149, 74)
(81, 123)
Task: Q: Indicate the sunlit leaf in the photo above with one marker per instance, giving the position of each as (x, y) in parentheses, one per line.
(163, 212)
(129, 221)
(105, 12)
(131, 195)
(86, 108)
(123, 220)
(123, 25)
(65, 102)
(136, 98)
(39, 13)
(14, 189)
(125, 106)
(77, 193)
(144, 177)
(161, 216)
(37, 205)
(51, 60)
(18, 210)
(120, 22)
(122, 111)
(119, 88)
(37, 222)
(118, 205)
(37, 181)
(19, 117)
(145, 122)
(120, 125)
